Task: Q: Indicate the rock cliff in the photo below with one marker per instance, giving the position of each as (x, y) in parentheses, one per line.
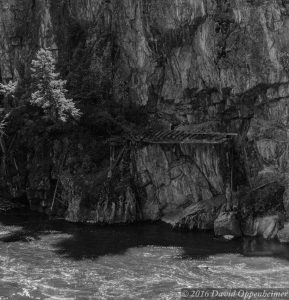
(199, 65)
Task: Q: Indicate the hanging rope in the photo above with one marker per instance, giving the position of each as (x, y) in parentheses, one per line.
(229, 179)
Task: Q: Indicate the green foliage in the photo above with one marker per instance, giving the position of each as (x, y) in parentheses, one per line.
(48, 89)
(9, 89)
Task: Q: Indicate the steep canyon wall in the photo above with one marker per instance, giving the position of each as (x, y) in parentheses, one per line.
(209, 65)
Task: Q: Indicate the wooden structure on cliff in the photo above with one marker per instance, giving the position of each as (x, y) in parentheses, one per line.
(185, 137)
(181, 137)
(175, 137)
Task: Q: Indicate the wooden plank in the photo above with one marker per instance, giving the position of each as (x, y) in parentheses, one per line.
(155, 134)
(179, 134)
(188, 141)
(171, 135)
(188, 136)
(213, 133)
(163, 135)
(182, 137)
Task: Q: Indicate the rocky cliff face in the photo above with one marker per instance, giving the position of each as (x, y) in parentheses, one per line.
(203, 65)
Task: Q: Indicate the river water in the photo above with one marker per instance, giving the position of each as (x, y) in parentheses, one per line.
(42, 259)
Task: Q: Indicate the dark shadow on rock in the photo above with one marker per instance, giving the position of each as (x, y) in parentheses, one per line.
(110, 240)
(93, 241)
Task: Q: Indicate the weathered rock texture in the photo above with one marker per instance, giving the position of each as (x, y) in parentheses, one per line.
(212, 65)
(227, 224)
(267, 227)
(283, 235)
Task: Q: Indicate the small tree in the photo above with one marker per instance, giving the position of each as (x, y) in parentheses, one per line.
(49, 92)
(9, 88)
(8, 91)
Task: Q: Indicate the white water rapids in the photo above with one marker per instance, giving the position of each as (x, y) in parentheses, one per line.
(49, 260)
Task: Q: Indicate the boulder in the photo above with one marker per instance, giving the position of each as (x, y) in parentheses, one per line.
(267, 226)
(286, 198)
(227, 224)
(283, 234)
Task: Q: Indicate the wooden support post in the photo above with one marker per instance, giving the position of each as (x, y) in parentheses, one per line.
(109, 175)
(55, 193)
(58, 179)
(229, 178)
(3, 161)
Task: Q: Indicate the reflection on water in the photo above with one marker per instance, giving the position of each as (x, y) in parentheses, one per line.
(59, 260)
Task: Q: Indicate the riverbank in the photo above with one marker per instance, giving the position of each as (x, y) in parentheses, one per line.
(24, 224)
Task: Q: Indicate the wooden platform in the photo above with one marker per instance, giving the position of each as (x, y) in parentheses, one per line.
(174, 137)
(185, 137)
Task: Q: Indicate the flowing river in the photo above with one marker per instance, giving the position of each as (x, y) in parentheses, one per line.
(42, 259)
